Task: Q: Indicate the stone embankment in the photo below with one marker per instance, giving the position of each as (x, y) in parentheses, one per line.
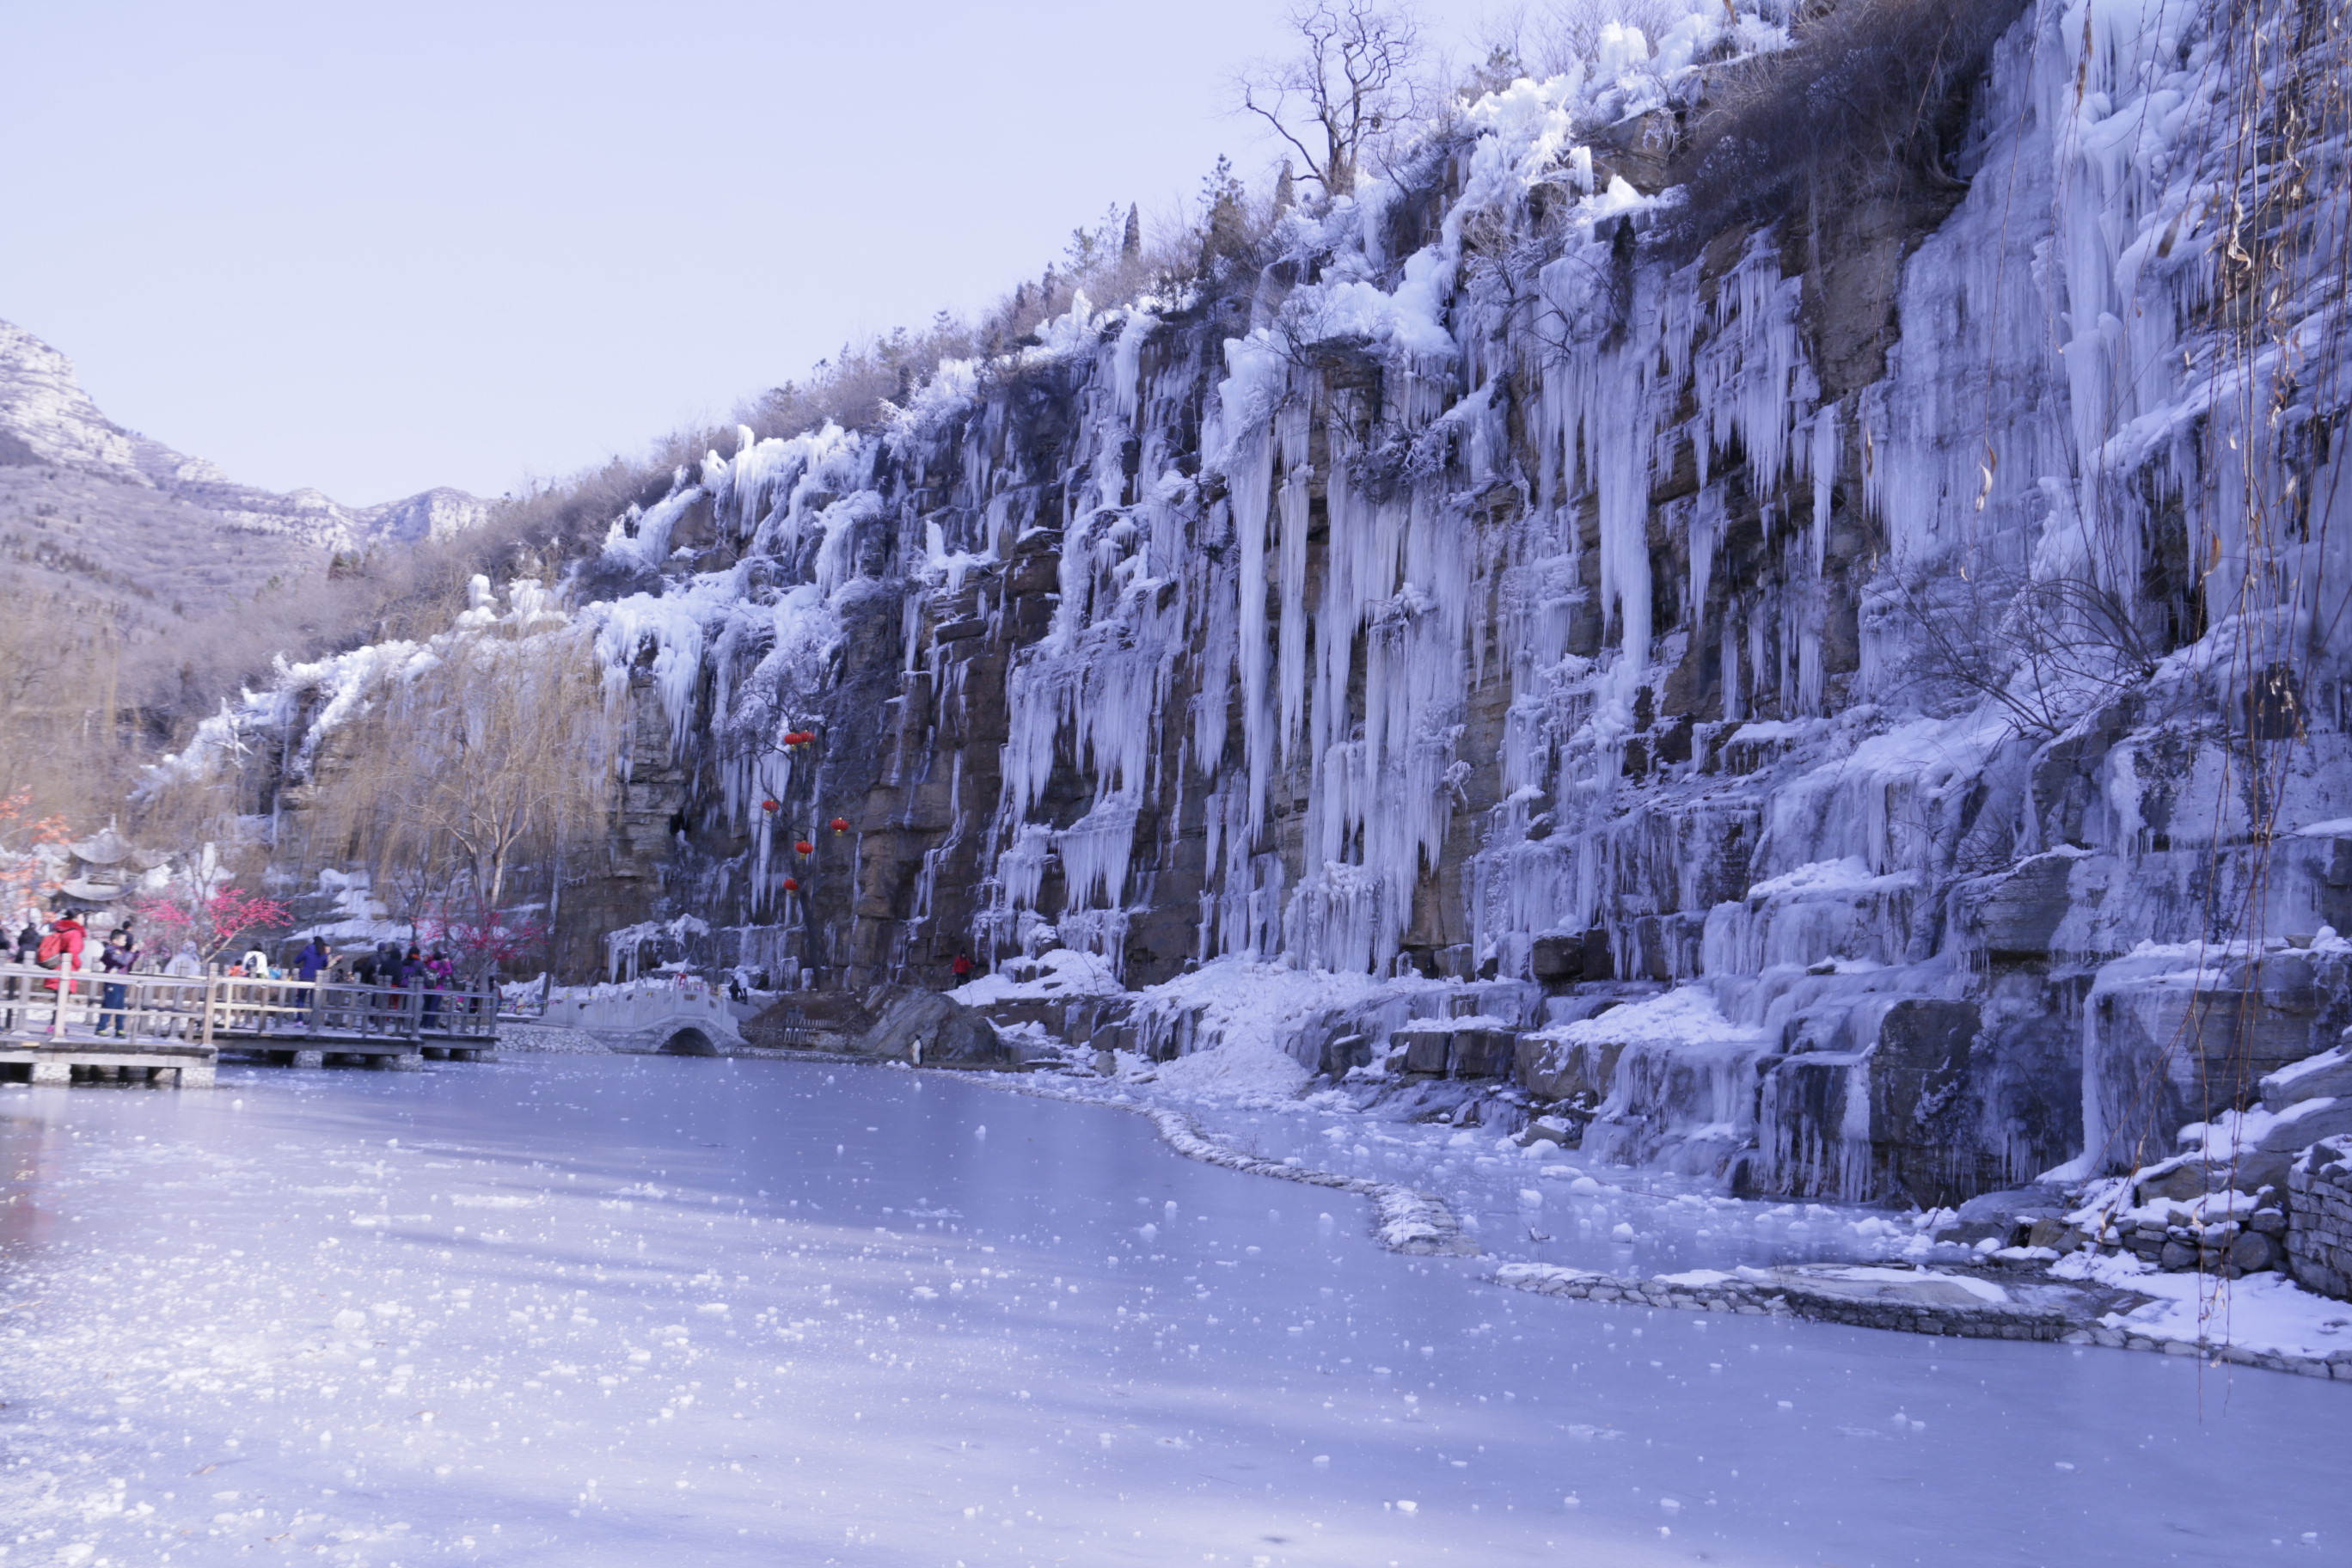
(1932, 1303)
(2319, 1225)
(1869, 1297)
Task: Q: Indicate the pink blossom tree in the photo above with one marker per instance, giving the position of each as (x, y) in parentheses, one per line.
(481, 941)
(213, 923)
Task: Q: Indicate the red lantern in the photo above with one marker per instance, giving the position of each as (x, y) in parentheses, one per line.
(841, 825)
(792, 885)
(805, 847)
(772, 805)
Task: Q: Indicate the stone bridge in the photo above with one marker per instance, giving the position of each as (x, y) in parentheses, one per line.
(650, 1016)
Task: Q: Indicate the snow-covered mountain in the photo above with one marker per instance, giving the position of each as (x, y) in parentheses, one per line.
(97, 509)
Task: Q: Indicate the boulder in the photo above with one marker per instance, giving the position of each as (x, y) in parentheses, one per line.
(1482, 1053)
(1550, 1129)
(1558, 960)
(2327, 1075)
(2186, 1177)
(2015, 916)
(1550, 1069)
(1344, 1053)
(2057, 1236)
(2305, 1123)
(1426, 1047)
(809, 1021)
(931, 1030)
(2252, 1252)
(1568, 958)
(2181, 1180)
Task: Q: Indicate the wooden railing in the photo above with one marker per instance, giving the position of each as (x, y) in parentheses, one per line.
(214, 1008)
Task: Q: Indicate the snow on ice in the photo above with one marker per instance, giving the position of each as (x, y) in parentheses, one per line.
(582, 1309)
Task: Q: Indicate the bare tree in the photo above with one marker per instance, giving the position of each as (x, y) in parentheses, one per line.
(1567, 33)
(61, 733)
(2042, 650)
(1351, 79)
(460, 778)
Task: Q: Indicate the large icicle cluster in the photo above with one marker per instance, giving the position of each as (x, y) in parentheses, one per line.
(1484, 600)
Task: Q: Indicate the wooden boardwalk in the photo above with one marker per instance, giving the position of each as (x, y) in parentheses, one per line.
(174, 1029)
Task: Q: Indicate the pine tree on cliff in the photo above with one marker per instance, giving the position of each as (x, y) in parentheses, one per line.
(1227, 226)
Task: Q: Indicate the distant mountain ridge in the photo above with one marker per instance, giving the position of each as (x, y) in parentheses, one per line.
(135, 536)
(46, 420)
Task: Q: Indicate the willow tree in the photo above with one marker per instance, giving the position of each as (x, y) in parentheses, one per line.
(471, 765)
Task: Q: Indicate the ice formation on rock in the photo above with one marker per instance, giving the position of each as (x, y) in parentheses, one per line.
(1487, 610)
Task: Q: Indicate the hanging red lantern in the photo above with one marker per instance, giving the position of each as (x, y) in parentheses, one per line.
(840, 825)
(772, 805)
(805, 847)
(792, 885)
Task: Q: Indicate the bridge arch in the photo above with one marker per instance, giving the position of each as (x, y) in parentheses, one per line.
(689, 1042)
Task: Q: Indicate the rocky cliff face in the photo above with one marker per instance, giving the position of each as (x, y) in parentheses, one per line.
(1852, 703)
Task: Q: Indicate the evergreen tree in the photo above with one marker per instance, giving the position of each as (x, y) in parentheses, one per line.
(1225, 214)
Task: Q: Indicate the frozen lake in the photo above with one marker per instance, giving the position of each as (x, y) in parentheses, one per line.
(589, 1310)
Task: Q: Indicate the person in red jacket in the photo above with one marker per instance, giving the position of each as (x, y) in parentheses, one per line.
(61, 948)
(961, 967)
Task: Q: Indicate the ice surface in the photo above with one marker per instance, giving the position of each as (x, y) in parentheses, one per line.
(1671, 1222)
(609, 1310)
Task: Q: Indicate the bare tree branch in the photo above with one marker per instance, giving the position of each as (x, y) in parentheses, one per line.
(1350, 81)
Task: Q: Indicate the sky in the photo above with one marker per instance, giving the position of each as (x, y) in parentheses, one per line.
(376, 248)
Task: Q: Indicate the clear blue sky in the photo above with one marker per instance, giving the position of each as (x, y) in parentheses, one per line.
(374, 248)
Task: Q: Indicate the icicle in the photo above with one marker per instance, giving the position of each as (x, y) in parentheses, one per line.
(1824, 467)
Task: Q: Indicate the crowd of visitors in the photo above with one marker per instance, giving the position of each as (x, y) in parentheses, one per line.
(65, 945)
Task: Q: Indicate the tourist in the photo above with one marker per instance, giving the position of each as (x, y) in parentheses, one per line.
(309, 964)
(436, 974)
(315, 956)
(61, 948)
(118, 956)
(961, 967)
(18, 949)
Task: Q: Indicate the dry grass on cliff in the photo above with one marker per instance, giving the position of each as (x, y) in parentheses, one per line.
(856, 388)
(1873, 100)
